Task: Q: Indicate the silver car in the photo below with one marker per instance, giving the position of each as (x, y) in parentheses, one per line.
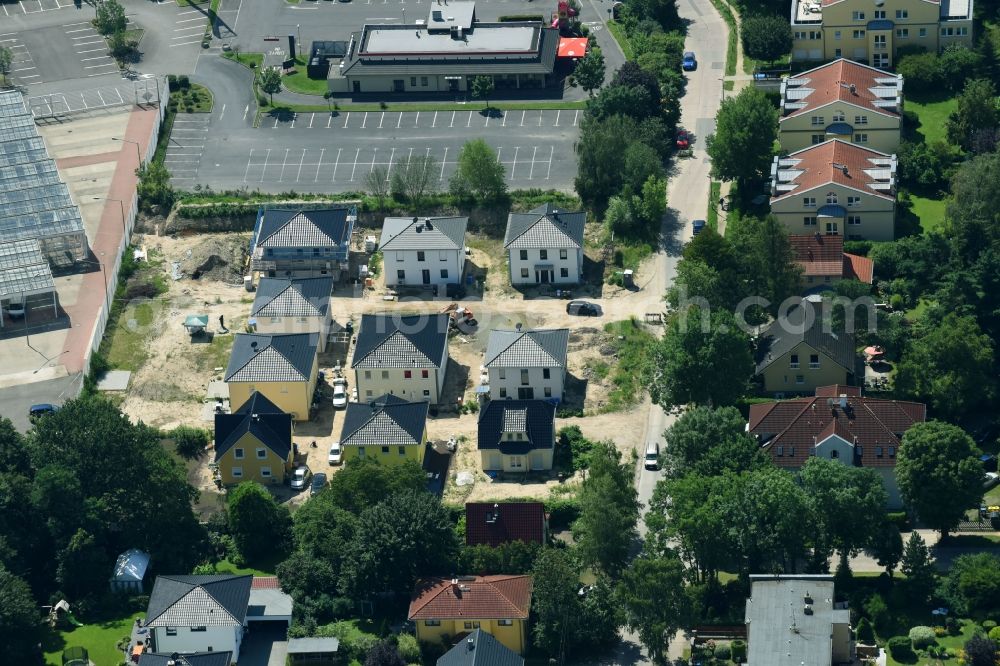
(300, 477)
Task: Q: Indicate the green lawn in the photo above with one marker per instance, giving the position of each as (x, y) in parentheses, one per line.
(125, 345)
(227, 567)
(300, 82)
(727, 15)
(712, 217)
(632, 343)
(933, 117)
(196, 99)
(929, 211)
(618, 32)
(246, 59)
(99, 639)
(953, 643)
(993, 496)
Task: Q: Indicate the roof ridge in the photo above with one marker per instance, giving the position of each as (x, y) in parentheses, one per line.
(507, 348)
(504, 596)
(806, 406)
(527, 228)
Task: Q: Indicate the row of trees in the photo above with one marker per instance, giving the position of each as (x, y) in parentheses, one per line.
(110, 21)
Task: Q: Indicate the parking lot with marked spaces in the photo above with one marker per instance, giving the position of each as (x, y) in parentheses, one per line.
(90, 49)
(35, 6)
(56, 103)
(373, 121)
(186, 147)
(23, 69)
(189, 26)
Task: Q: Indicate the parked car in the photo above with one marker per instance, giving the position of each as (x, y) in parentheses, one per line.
(697, 226)
(683, 141)
(652, 457)
(36, 412)
(300, 477)
(339, 393)
(15, 309)
(318, 483)
(336, 454)
(583, 309)
(689, 63)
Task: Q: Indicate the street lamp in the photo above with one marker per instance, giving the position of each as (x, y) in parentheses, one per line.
(138, 154)
(121, 206)
(91, 262)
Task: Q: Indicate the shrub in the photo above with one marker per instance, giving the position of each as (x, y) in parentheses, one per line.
(897, 518)
(940, 632)
(900, 648)
(921, 637)
(172, 82)
(722, 652)
(864, 632)
(183, 82)
(988, 625)
(408, 648)
(738, 651)
(190, 442)
(951, 624)
(994, 634)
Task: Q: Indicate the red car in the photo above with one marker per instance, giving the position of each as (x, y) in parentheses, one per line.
(683, 140)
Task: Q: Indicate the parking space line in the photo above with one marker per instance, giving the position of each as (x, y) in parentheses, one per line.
(69, 32)
(514, 165)
(102, 98)
(399, 121)
(318, 164)
(294, 117)
(504, 123)
(531, 173)
(487, 123)
(372, 168)
(416, 121)
(347, 119)
(499, 150)
(365, 120)
(409, 156)
(452, 119)
(107, 64)
(312, 117)
(557, 118)
(200, 18)
(540, 114)
(283, 163)
(275, 123)
(92, 50)
(443, 162)
(335, 165)
(354, 168)
(552, 150)
(94, 58)
(301, 160)
(388, 172)
(185, 43)
(434, 122)
(469, 122)
(381, 120)
(576, 116)
(329, 120)
(99, 41)
(264, 170)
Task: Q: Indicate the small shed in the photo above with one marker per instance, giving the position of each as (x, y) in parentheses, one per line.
(130, 571)
(312, 651)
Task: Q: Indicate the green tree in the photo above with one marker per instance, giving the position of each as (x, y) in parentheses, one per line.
(709, 269)
(479, 173)
(654, 201)
(609, 509)
(620, 100)
(515, 557)
(413, 178)
(270, 82)
(6, 60)
(377, 184)
(972, 585)
(691, 439)
(304, 576)
(918, 567)
(624, 217)
(886, 546)
(407, 535)
(922, 71)
(259, 525)
(765, 37)
(939, 474)
(121, 48)
(364, 482)
(655, 605)
(765, 258)
(156, 194)
(977, 110)
(323, 530)
(705, 361)
(83, 567)
(482, 88)
(949, 366)
(555, 582)
(110, 17)
(20, 620)
(13, 453)
(190, 442)
(589, 71)
(684, 514)
(640, 163)
(746, 128)
(385, 652)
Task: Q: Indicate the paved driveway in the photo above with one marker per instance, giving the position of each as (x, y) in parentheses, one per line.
(265, 646)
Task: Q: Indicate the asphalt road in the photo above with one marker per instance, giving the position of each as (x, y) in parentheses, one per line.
(15, 400)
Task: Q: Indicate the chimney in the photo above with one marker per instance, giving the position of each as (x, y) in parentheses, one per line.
(427, 224)
(843, 402)
(854, 89)
(471, 644)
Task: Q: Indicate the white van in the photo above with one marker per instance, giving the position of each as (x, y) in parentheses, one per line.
(652, 458)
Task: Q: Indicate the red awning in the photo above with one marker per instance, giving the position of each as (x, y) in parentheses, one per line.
(572, 47)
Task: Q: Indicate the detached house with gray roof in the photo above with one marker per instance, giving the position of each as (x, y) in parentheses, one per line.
(302, 243)
(423, 250)
(194, 614)
(281, 367)
(388, 429)
(527, 365)
(517, 435)
(545, 246)
(300, 305)
(402, 355)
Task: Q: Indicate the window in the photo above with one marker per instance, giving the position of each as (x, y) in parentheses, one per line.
(503, 392)
(368, 374)
(503, 373)
(198, 629)
(831, 197)
(818, 138)
(413, 82)
(781, 451)
(407, 374)
(837, 53)
(171, 631)
(809, 221)
(361, 452)
(424, 374)
(427, 393)
(853, 201)
(400, 274)
(385, 449)
(800, 379)
(505, 623)
(432, 623)
(444, 273)
(423, 81)
(420, 255)
(879, 14)
(880, 41)
(368, 393)
(836, 35)
(853, 220)
(809, 202)
(261, 454)
(858, 34)
(237, 472)
(524, 376)
(832, 229)
(793, 361)
(814, 361)
(402, 450)
(903, 33)
(385, 374)
(265, 472)
(563, 254)
(860, 137)
(922, 32)
(858, 16)
(543, 254)
(791, 450)
(472, 625)
(892, 451)
(878, 451)
(817, 120)
(564, 272)
(834, 454)
(524, 272)
(546, 373)
(902, 14)
(838, 116)
(524, 255)
(238, 454)
(548, 392)
(275, 320)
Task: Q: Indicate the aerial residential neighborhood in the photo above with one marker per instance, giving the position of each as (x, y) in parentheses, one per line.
(499, 332)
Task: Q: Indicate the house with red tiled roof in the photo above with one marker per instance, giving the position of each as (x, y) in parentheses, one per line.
(835, 188)
(841, 100)
(824, 261)
(494, 524)
(446, 610)
(837, 423)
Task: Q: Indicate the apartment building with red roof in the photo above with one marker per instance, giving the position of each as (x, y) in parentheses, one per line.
(837, 423)
(824, 261)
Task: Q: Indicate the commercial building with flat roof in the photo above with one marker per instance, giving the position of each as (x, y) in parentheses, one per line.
(442, 53)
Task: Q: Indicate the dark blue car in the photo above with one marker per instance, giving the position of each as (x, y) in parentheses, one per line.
(690, 63)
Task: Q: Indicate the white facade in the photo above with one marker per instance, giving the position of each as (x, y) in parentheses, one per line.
(419, 267)
(190, 639)
(546, 266)
(534, 460)
(526, 383)
(312, 324)
(837, 448)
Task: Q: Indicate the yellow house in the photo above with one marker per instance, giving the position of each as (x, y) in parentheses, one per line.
(835, 188)
(445, 610)
(799, 352)
(841, 100)
(282, 367)
(254, 443)
(388, 429)
(873, 32)
(517, 435)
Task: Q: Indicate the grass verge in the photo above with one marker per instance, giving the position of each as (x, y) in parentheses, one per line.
(99, 639)
(618, 32)
(632, 343)
(930, 212)
(727, 15)
(712, 215)
(134, 35)
(933, 117)
(196, 99)
(187, 3)
(299, 82)
(126, 342)
(250, 60)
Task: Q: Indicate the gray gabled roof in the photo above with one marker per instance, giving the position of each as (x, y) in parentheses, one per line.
(783, 335)
(299, 297)
(401, 341)
(385, 421)
(272, 358)
(189, 659)
(545, 227)
(304, 228)
(542, 348)
(534, 417)
(480, 649)
(312, 644)
(261, 418)
(423, 233)
(193, 601)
